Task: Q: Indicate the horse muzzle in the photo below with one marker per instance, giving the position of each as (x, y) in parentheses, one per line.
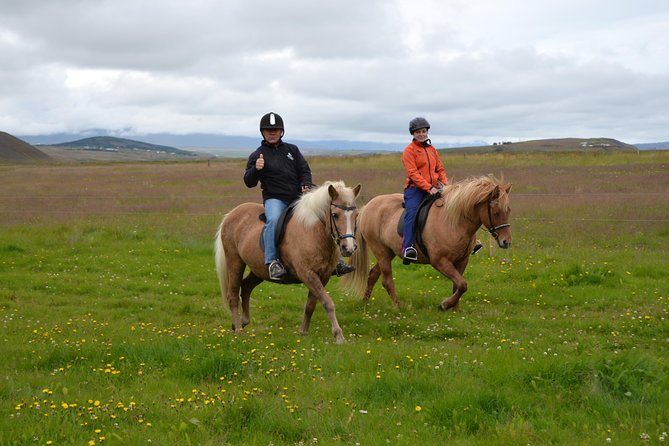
(503, 237)
(503, 243)
(347, 245)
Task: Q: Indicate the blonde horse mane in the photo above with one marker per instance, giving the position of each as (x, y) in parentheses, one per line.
(312, 207)
(461, 197)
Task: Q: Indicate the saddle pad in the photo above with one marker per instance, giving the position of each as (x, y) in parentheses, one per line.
(419, 221)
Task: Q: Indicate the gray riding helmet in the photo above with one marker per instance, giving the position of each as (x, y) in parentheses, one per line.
(418, 123)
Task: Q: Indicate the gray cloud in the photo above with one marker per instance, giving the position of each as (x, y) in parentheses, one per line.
(338, 70)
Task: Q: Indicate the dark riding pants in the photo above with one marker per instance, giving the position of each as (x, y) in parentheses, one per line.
(412, 199)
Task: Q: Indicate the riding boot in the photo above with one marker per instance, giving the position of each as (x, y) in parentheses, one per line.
(342, 268)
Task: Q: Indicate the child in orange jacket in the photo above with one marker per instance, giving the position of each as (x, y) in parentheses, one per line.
(425, 176)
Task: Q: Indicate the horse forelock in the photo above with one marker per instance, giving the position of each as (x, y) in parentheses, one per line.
(313, 206)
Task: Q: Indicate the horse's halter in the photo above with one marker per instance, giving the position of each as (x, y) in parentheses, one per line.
(334, 229)
(492, 229)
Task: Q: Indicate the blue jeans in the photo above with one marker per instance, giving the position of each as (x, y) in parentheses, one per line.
(412, 198)
(273, 209)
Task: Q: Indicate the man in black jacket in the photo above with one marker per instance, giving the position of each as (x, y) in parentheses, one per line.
(284, 175)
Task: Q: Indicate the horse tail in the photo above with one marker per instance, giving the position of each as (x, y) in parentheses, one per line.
(357, 280)
(221, 264)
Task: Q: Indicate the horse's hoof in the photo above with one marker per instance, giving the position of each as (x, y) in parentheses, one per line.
(340, 340)
(446, 306)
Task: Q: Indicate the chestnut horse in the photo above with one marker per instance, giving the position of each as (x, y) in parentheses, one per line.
(323, 220)
(448, 235)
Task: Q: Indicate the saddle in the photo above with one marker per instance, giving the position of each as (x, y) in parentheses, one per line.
(419, 221)
(280, 225)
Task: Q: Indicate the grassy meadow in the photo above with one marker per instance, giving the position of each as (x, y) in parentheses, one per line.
(113, 331)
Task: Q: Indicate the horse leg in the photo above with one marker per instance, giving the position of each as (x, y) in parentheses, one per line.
(235, 275)
(248, 284)
(385, 265)
(374, 274)
(317, 291)
(459, 285)
(309, 308)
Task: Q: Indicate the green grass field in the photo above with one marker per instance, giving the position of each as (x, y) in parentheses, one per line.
(113, 331)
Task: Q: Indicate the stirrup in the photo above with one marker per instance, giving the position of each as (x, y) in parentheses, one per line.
(276, 270)
(410, 253)
(477, 247)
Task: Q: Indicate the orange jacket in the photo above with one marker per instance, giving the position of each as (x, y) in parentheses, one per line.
(423, 166)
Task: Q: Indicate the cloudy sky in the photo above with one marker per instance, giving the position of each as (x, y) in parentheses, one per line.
(486, 70)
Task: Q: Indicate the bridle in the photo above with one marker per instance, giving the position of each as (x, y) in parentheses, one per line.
(334, 229)
(492, 229)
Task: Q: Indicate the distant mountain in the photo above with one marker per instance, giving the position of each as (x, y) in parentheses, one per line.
(13, 149)
(203, 141)
(653, 146)
(111, 143)
(240, 146)
(552, 145)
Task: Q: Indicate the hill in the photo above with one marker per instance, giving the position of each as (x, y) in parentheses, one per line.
(13, 149)
(551, 145)
(221, 144)
(113, 144)
(110, 148)
(653, 146)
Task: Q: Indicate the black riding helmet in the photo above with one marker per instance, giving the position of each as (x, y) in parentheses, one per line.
(418, 123)
(271, 121)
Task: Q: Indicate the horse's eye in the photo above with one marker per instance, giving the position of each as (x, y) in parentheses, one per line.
(335, 216)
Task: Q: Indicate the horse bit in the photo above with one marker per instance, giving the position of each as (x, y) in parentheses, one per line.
(333, 227)
(493, 229)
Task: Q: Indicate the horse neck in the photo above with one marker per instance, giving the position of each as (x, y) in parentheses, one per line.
(322, 242)
(324, 231)
(321, 234)
(470, 221)
(327, 234)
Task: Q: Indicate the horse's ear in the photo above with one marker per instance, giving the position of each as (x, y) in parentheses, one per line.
(332, 191)
(356, 190)
(508, 188)
(495, 193)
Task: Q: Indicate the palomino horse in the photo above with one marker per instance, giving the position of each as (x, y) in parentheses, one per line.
(448, 235)
(323, 219)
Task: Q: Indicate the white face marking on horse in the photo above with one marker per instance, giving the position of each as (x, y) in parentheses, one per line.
(349, 222)
(348, 244)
